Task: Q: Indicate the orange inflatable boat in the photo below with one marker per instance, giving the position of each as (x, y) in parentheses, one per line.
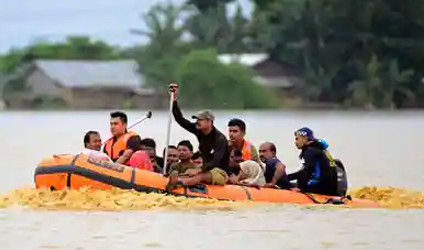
(77, 171)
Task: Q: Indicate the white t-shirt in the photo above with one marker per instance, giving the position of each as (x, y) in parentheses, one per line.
(254, 172)
(97, 155)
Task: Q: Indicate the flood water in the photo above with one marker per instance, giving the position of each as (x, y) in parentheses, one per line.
(378, 149)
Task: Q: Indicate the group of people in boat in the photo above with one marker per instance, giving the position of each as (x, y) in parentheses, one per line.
(220, 161)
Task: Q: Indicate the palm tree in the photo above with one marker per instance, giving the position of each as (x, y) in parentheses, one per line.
(239, 26)
(162, 25)
(395, 81)
(363, 90)
(157, 60)
(211, 28)
(318, 81)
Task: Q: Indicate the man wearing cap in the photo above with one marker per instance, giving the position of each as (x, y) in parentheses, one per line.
(213, 147)
(318, 174)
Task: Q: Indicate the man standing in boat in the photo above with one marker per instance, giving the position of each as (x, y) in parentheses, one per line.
(213, 147)
(124, 143)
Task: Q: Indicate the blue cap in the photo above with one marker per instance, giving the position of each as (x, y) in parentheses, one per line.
(306, 132)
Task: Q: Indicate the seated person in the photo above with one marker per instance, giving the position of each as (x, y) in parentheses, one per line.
(149, 145)
(275, 170)
(213, 146)
(141, 160)
(196, 158)
(92, 145)
(237, 133)
(318, 174)
(250, 173)
(172, 156)
(124, 143)
(185, 150)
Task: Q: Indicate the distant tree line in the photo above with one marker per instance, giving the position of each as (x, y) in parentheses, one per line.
(361, 53)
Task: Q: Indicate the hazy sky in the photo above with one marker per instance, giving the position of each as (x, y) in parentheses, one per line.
(24, 21)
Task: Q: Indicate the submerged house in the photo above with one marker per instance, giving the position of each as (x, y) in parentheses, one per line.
(81, 84)
(278, 76)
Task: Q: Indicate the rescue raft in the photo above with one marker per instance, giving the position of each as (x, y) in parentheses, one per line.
(78, 171)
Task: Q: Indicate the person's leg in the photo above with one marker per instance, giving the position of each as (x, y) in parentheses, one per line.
(215, 176)
(193, 180)
(175, 180)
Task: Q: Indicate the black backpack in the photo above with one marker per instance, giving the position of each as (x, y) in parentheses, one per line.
(342, 183)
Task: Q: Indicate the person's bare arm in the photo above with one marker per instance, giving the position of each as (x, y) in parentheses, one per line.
(133, 144)
(280, 169)
(125, 156)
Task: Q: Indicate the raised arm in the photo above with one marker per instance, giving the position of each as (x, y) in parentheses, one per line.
(176, 111)
(183, 122)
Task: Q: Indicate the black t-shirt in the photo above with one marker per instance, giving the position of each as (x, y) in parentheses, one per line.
(213, 147)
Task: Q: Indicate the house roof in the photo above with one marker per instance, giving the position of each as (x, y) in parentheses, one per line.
(245, 59)
(278, 82)
(84, 73)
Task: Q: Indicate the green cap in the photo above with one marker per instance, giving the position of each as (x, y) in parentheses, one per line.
(204, 115)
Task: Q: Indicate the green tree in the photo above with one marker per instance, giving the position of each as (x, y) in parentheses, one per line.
(341, 36)
(206, 5)
(206, 82)
(210, 28)
(76, 47)
(363, 91)
(239, 26)
(395, 82)
(159, 58)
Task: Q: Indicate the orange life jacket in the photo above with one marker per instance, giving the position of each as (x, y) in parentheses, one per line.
(246, 151)
(115, 148)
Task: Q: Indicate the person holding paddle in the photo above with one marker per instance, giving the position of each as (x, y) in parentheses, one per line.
(213, 147)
